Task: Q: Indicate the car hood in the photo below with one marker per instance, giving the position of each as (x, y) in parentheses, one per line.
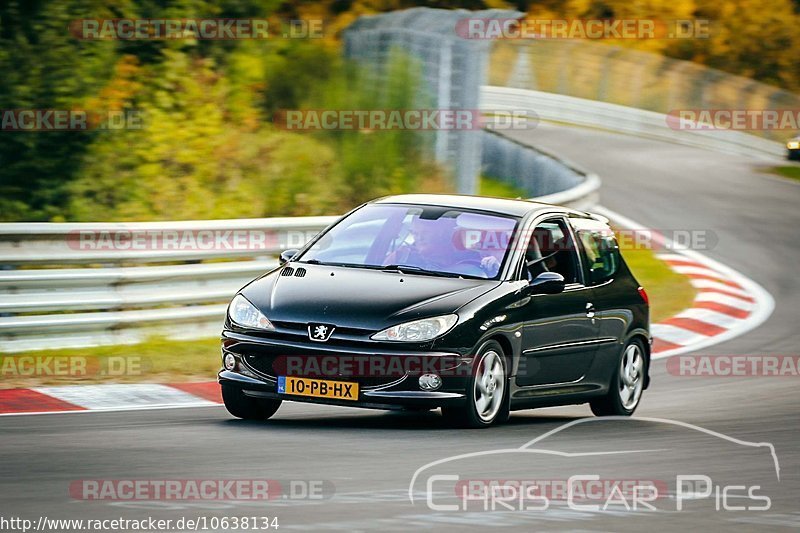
(358, 298)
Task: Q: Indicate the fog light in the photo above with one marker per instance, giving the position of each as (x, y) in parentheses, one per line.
(230, 361)
(429, 382)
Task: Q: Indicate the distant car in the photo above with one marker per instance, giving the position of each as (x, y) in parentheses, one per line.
(793, 148)
(476, 305)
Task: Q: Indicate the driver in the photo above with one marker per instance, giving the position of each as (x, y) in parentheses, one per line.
(431, 247)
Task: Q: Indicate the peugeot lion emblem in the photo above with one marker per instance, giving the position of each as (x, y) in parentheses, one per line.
(320, 332)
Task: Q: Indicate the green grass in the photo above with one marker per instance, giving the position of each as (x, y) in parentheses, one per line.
(791, 172)
(156, 360)
(669, 292)
(494, 187)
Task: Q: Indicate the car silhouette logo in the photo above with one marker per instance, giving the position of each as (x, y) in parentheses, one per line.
(320, 332)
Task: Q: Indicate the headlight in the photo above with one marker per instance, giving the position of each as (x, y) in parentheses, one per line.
(793, 145)
(418, 330)
(245, 314)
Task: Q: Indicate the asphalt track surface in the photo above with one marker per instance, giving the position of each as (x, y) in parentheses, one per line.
(370, 457)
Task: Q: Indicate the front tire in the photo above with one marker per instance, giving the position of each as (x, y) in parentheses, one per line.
(627, 383)
(487, 391)
(242, 406)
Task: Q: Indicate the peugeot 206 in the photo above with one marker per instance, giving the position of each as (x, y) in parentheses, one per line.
(478, 306)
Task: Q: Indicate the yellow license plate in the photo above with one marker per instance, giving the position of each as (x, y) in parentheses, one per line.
(318, 388)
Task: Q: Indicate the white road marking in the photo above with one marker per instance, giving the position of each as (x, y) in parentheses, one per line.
(710, 285)
(676, 257)
(711, 317)
(724, 299)
(701, 271)
(676, 335)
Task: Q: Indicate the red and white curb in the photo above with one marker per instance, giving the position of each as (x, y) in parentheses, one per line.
(111, 397)
(727, 305)
(722, 305)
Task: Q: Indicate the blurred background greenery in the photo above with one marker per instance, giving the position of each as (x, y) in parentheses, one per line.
(209, 148)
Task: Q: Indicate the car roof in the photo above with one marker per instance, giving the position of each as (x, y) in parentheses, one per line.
(505, 206)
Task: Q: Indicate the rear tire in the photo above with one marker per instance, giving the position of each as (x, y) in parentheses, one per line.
(627, 383)
(242, 406)
(487, 391)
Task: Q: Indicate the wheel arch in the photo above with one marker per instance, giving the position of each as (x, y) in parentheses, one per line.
(643, 336)
(508, 351)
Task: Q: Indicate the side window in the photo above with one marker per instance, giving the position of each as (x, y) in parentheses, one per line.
(601, 252)
(550, 249)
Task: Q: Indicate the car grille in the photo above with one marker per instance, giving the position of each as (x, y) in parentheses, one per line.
(298, 331)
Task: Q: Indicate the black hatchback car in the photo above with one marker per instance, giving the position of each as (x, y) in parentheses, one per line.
(480, 306)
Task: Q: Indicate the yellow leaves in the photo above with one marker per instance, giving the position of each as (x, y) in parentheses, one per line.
(755, 38)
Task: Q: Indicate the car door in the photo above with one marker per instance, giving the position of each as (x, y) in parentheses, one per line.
(611, 293)
(560, 331)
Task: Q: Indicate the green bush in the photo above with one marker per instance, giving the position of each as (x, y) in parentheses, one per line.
(206, 147)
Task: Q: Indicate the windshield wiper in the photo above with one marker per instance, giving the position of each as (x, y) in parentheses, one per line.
(324, 263)
(393, 268)
(411, 268)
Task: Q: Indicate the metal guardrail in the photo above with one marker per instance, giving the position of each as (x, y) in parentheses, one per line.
(547, 177)
(72, 243)
(586, 69)
(618, 118)
(46, 302)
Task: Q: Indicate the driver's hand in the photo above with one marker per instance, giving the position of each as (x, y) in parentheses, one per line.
(491, 265)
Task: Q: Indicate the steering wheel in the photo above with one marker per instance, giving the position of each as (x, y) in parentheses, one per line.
(478, 269)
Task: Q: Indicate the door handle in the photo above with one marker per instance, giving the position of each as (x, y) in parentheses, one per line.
(590, 310)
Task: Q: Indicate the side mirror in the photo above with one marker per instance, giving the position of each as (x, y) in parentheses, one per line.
(547, 283)
(287, 255)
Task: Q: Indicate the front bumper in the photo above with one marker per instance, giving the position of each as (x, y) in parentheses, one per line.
(256, 372)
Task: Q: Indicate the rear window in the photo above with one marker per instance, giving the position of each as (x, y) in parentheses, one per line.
(601, 253)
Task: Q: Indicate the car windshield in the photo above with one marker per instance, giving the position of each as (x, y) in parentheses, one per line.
(427, 240)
